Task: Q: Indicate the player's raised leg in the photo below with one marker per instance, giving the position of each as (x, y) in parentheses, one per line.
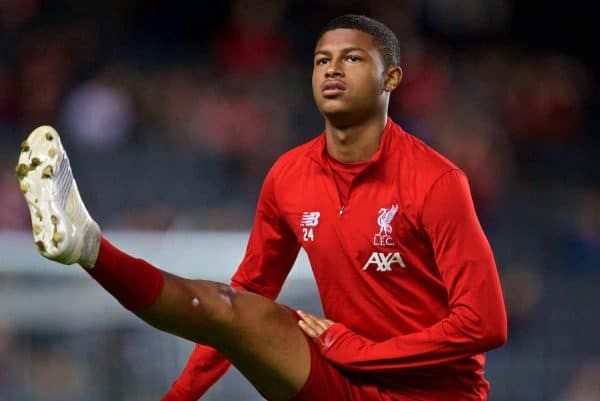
(260, 337)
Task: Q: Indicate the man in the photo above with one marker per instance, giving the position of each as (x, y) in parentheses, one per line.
(406, 276)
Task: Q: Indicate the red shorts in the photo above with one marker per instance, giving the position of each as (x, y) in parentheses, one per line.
(327, 383)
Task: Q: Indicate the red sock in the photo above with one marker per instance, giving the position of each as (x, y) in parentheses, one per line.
(135, 283)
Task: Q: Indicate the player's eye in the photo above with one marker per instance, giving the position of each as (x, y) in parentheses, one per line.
(321, 61)
(352, 58)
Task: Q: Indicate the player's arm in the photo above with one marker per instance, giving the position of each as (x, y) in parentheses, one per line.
(270, 254)
(477, 320)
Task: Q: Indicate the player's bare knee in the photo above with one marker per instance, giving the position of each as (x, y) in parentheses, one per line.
(225, 313)
(213, 301)
(226, 309)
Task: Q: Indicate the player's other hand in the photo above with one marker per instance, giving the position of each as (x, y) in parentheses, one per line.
(312, 325)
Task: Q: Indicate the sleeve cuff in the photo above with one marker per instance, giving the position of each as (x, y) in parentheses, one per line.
(330, 336)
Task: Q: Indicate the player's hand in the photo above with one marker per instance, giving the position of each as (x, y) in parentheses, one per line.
(312, 325)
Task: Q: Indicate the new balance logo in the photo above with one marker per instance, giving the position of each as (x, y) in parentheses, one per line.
(307, 222)
(384, 261)
(310, 219)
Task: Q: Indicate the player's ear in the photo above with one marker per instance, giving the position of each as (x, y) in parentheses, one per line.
(393, 76)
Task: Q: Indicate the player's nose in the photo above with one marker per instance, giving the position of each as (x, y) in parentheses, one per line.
(333, 72)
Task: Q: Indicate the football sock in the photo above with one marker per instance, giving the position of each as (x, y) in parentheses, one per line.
(135, 283)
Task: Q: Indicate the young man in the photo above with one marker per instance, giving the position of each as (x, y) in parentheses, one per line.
(406, 276)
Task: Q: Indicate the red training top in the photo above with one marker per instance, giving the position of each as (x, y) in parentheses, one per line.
(400, 261)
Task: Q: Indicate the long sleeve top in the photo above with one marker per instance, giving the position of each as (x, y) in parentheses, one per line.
(401, 264)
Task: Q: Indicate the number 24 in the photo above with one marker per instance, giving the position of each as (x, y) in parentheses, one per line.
(308, 234)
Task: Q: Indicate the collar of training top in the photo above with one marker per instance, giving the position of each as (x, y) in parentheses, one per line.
(318, 152)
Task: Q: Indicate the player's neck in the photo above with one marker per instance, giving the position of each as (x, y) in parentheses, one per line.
(357, 143)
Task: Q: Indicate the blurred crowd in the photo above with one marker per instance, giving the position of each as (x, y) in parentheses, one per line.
(187, 104)
(172, 112)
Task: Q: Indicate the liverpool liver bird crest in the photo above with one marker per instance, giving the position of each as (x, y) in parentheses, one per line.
(385, 219)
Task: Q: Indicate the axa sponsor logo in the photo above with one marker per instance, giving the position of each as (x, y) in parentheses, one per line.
(384, 220)
(385, 261)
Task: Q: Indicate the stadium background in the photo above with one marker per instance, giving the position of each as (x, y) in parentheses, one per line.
(172, 112)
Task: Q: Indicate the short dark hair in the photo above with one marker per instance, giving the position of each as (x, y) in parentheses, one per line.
(383, 37)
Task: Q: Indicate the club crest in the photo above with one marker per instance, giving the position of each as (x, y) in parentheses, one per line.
(384, 220)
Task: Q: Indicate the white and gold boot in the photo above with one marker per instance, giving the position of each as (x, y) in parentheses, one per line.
(62, 227)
